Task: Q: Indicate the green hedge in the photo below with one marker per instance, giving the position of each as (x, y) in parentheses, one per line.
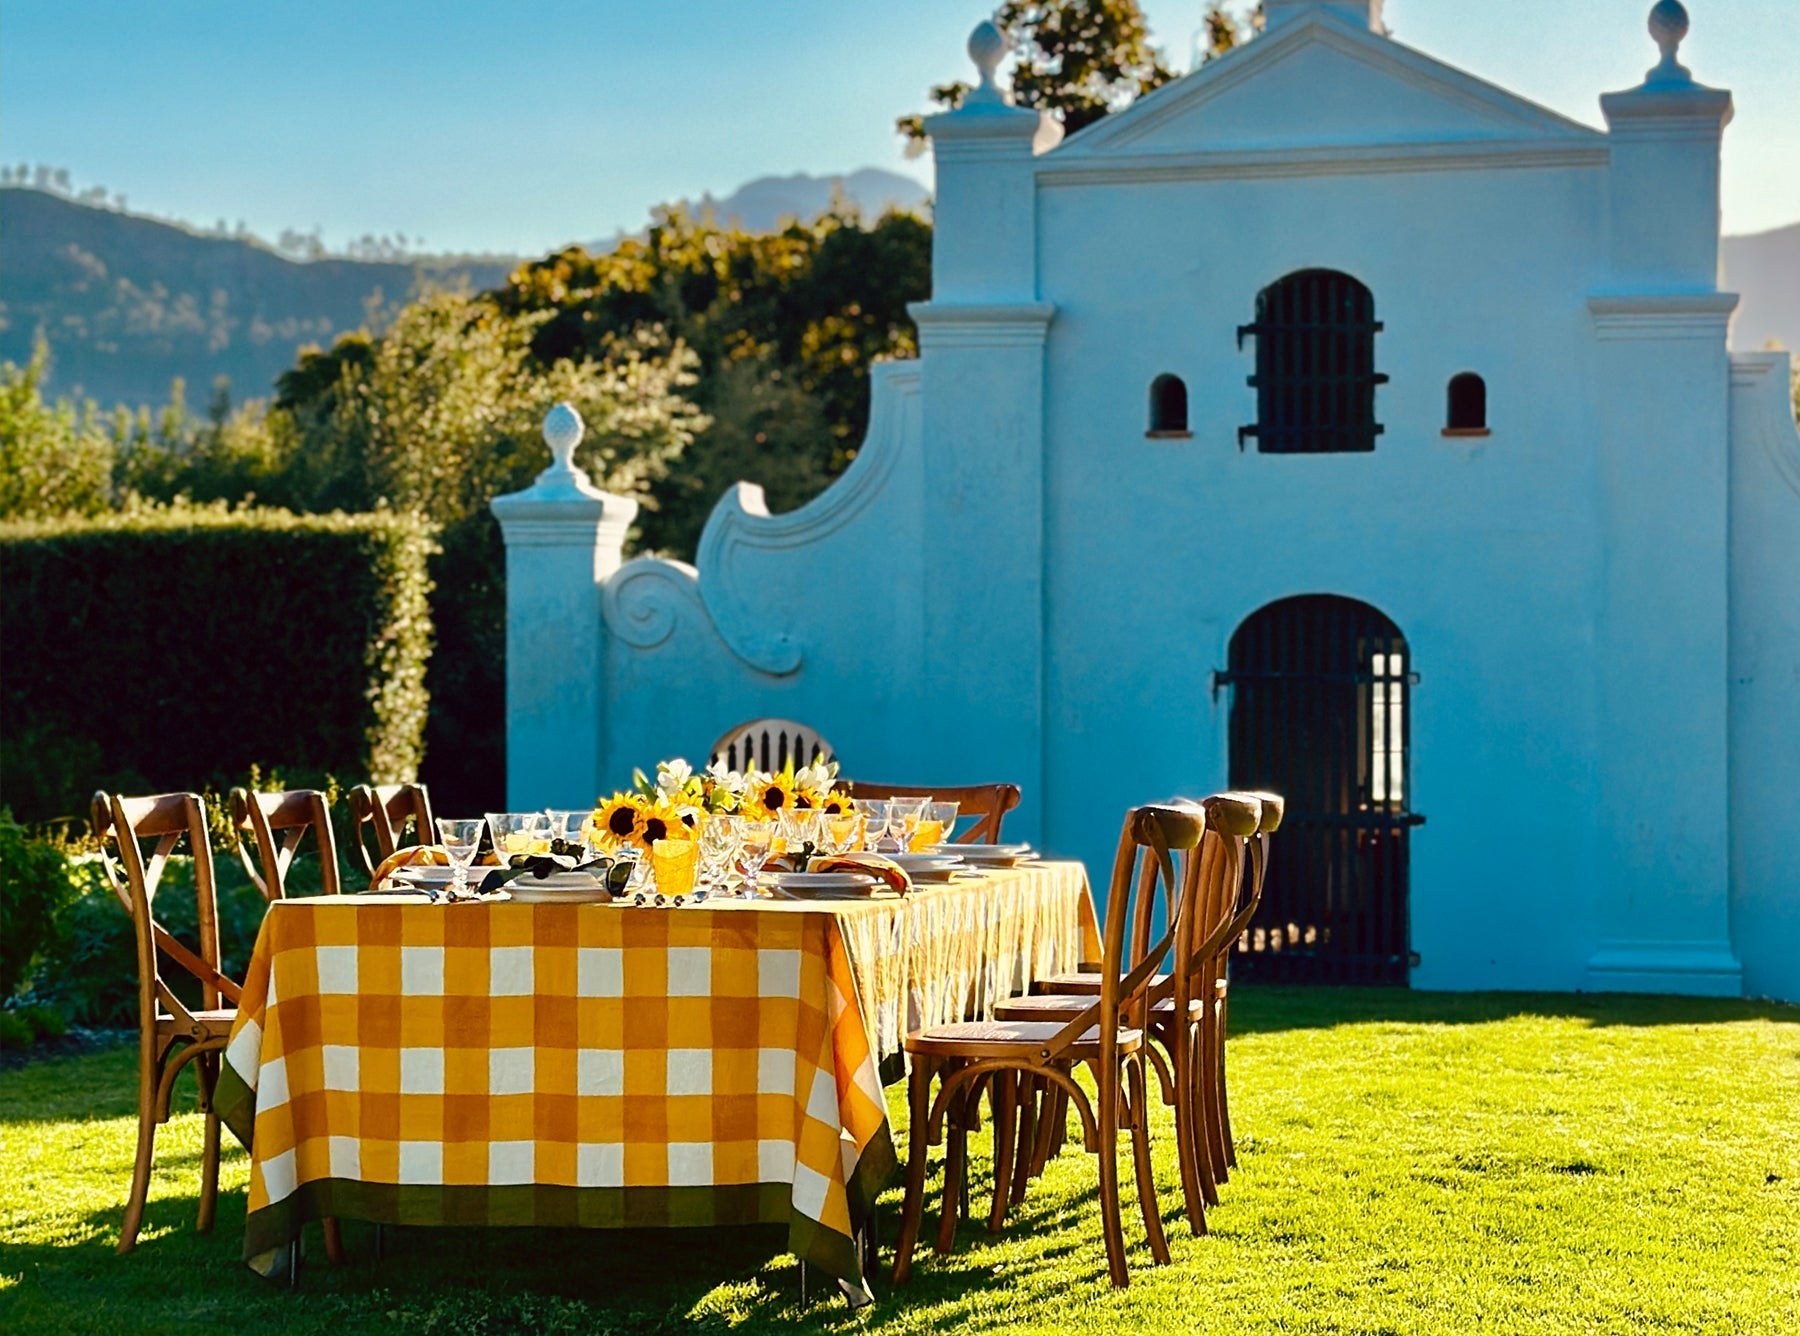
(175, 647)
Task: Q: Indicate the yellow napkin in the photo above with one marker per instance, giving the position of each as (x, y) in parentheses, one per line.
(874, 864)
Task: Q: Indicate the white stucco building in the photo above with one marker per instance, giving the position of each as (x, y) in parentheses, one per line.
(1329, 420)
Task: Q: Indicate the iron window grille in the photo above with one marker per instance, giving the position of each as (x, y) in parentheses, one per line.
(1315, 365)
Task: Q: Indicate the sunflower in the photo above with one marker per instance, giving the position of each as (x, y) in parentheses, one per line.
(772, 793)
(620, 819)
(663, 822)
(837, 803)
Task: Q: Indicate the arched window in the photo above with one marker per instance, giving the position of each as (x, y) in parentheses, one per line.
(1168, 407)
(1466, 414)
(1315, 365)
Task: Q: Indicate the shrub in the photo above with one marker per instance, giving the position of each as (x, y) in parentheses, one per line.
(15, 1031)
(35, 885)
(45, 1022)
(185, 644)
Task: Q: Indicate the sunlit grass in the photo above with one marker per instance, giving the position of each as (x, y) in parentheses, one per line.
(1409, 1163)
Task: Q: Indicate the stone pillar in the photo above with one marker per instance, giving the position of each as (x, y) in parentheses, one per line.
(982, 373)
(564, 536)
(1663, 384)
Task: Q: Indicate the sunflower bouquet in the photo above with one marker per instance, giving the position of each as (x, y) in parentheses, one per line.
(676, 802)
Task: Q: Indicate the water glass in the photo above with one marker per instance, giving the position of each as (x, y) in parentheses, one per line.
(519, 833)
(798, 827)
(837, 832)
(574, 829)
(757, 841)
(903, 819)
(460, 838)
(718, 847)
(874, 814)
(936, 825)
(672, 864)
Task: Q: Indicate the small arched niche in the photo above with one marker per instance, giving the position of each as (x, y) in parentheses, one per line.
(1465, 411)
(1168, 409)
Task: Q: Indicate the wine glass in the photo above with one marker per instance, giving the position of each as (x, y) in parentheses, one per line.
(936, 825)
(798, 827)
(758, 838)
(837, 832)
(874, 815)
(903, 819)
(718, 849)
(460, 838)
(572, 828)
(519, 833)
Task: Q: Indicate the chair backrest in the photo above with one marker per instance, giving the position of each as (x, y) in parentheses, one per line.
(1271, 808)
(769, 744)
(122, 826)
(276, 823)
(1232, 821)
(987, 803)
(1156, 852)
(386, 809)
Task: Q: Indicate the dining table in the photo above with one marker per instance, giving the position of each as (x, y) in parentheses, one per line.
(497, 1062)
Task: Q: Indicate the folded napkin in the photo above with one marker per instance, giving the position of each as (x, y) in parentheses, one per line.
(413, 855)
(874, 864)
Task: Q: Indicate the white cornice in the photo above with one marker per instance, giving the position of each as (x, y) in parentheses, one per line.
(1314, 160)
(1662, 315)
(969, 325)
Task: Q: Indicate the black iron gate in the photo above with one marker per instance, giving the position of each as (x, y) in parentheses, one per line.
(1319, 713)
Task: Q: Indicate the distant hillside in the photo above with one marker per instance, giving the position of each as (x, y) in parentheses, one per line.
(129, 303)
(770, 202)
(1764, 269)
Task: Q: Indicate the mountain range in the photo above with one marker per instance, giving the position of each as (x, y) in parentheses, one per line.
(128, 303)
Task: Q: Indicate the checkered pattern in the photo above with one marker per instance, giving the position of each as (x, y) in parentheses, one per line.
(555, 1064)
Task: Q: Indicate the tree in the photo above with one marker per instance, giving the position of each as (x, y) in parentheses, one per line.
(1223, 30)
(1078, 59)
(784, 325)
(54, 458)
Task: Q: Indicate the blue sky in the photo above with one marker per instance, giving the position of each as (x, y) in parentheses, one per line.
(518, 126)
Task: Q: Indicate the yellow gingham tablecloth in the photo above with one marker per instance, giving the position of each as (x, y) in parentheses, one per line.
(515, 1064)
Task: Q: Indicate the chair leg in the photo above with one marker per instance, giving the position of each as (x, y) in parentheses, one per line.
(209, 1175)
(140, 1169)
(918, 1138)
(1031, 1092)
(1230, 1142)
(956, 1150)
(1200, 1131)
(1208, 1077)
(1140, 1154)
(1005, 1091)
(1108, 1150)
(1187, 1144)
(334, 1241)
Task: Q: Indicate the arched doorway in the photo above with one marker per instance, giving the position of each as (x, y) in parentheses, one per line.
(1320, 689)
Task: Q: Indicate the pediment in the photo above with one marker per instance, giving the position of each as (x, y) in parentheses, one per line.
(1319, 82)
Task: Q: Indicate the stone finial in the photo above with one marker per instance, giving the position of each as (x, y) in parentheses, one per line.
(1668, 25)
(563, 430)
(987, 48)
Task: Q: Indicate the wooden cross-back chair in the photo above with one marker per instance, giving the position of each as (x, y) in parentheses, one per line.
(1272, 806)
(276, 823)
(385, 809)
(987, 803)
(171, 1034)
(1181, 1006)
(1106, 1036)
(769, 744)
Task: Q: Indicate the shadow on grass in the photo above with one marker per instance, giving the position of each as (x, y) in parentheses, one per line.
(1268, 1008)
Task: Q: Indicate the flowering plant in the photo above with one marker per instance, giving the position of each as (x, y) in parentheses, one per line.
(676, 802)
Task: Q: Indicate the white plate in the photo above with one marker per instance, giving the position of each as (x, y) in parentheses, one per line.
(528, 892)
(1002, 860)
(824, 881)
(432, 874)
(930, 867)
(974, 851)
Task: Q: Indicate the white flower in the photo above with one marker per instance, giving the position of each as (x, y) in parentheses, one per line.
(672, 776)
(815, 778)
(726, 779)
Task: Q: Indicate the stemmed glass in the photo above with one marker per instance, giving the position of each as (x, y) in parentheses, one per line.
(874, 814)
(837, 832)
(799, 827)
(460, 838)
(718, 850)
(518, 833)
(757, 838)
(903, 819)
(572, 828)
(937, 824)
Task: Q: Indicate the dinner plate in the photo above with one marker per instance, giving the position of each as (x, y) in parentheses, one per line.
(431, 874)
(930, 867)
(825, 881)
(973, 851)
(529, 892)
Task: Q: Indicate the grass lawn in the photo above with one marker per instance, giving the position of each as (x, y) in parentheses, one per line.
(1409, 1162)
